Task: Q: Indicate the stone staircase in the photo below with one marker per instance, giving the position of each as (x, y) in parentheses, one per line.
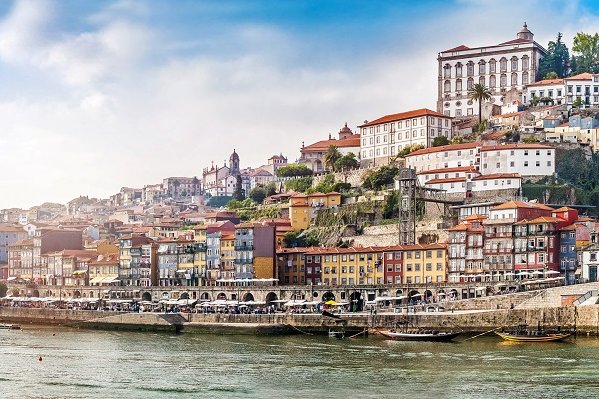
(552, 297)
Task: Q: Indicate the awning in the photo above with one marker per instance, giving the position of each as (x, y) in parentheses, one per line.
(11, 278)
(295, 303)
(79, 272)
(96, 280)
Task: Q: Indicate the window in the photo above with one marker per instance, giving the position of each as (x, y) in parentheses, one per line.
(492, 66)
(525, 163)
(447, 86)
(514, 64)
(492, 81)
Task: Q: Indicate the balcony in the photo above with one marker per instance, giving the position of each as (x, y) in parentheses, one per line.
(499, 235)
(244, 261)
(244, 247)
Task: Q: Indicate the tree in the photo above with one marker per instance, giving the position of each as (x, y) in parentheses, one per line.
(3, 290)
(238, 194)
(347, 162)
(330, 157)
(257, 194)
(480, 93)
(381, 178)
(270, 189)
(440, 140)
(556, 61)
(586, 48)
(294, 170)
(300, 184)
(577, 103)
(534, 101)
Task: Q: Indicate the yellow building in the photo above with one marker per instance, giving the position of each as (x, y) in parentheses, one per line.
(424, 263)
(227, 253)
(352, 266)
(303, 208)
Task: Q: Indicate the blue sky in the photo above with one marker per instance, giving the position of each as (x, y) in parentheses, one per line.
(96, 95)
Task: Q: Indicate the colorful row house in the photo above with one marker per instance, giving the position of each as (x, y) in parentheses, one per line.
(407, 264)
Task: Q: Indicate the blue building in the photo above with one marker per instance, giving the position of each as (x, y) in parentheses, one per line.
(567, 253)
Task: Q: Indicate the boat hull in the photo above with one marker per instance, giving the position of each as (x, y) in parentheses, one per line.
(439, 337)
(533, 338)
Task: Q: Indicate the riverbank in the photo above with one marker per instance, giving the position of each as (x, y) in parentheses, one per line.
(584, 319)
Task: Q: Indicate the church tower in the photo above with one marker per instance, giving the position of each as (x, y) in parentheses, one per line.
(234, 164)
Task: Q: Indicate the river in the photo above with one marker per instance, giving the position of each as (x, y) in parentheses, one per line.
(106, 364)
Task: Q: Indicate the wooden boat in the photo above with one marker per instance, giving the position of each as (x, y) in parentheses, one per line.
(10, 327)
(423, 335)
(535, 336)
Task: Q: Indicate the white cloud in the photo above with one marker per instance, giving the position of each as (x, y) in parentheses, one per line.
(130, 111)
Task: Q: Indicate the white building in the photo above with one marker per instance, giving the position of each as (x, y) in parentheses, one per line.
(554, 89)
(589, 262)
(443, 157)
(383, 138)
(524, 159)
(502, 67)
(461, 185)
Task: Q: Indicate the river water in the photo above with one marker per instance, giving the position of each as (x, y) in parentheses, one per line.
(105, 364)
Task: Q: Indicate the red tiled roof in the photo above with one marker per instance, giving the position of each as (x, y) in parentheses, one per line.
(404, 115)
(323, 145)
(516, 146)
(546, 82)
(442, 148)
(581, 76)
(516, 41)
(541, 219)
(497, 176)
(448, 180)
(461, 47)
(449, 170)
(521, 204)
(563, 209)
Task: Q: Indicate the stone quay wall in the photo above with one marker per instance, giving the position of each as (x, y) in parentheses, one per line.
(585, 319)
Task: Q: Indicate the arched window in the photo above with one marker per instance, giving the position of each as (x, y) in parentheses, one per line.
(447, 86)
(470, 83)
(447, 71)
(482, 67)
(492, 66)
(503, 64)
(525, 60)
(481, 80)
(514, 79)
(492, 81)
(514, 63)
(458, 70)
(525, 78)
(503, 80)
(470, 70)
(458, 85)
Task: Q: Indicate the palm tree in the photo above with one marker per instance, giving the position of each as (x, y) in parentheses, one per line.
(479, 92)
(331, 156)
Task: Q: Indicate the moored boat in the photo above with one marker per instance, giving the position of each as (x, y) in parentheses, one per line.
(532, 336)
(422, 335)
